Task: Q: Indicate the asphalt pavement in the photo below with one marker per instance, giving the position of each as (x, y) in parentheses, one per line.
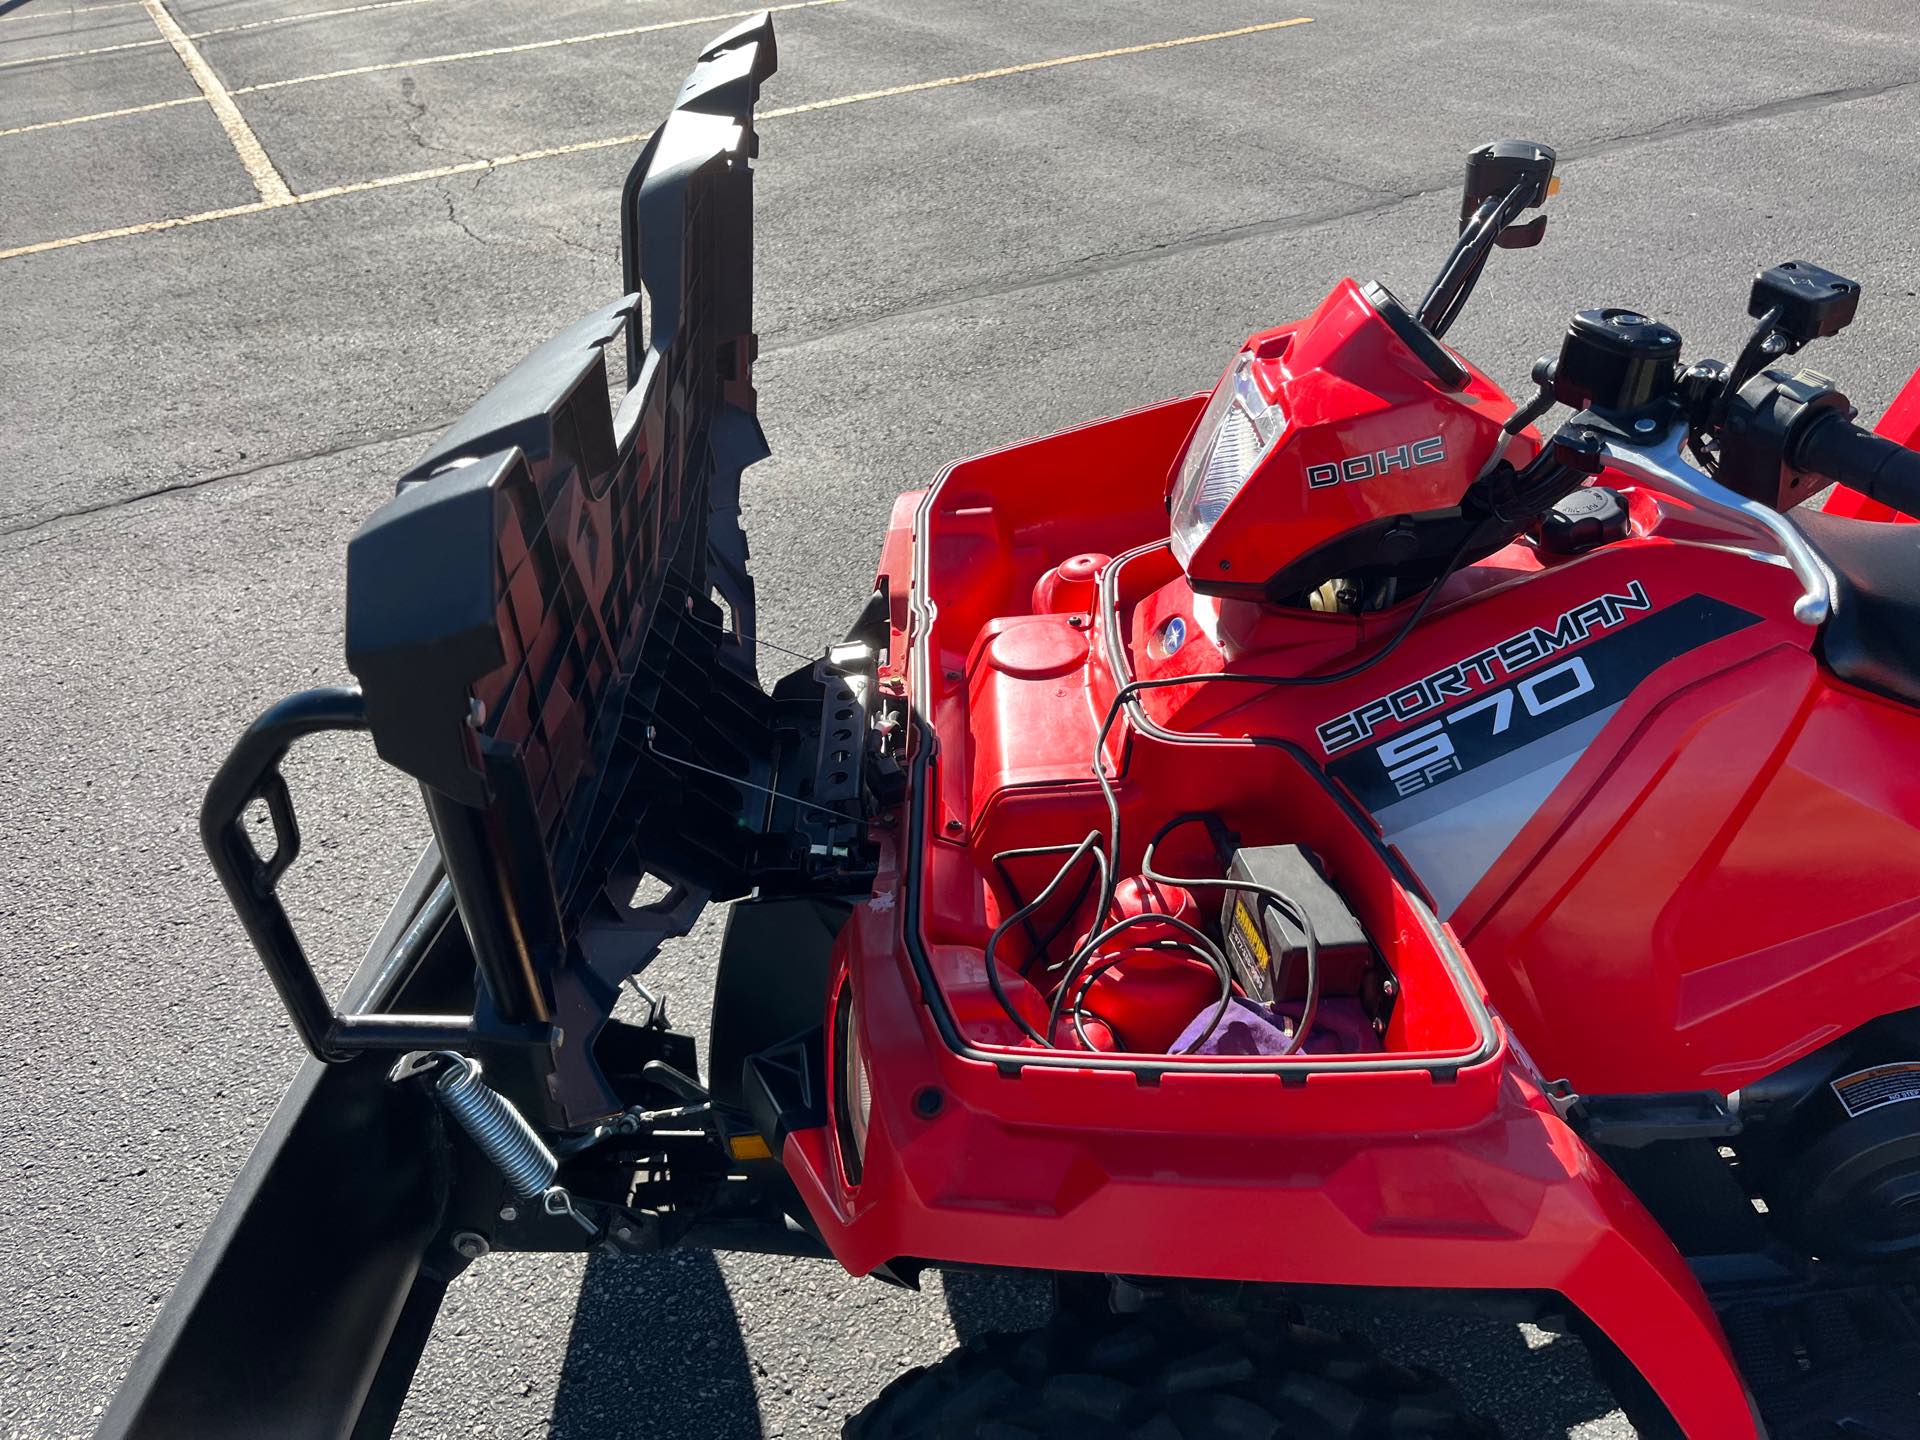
(253, 253)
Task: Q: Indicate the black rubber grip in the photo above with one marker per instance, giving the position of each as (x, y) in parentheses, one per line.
(1880, 469)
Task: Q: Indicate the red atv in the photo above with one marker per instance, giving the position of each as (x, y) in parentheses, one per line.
(1332, 839)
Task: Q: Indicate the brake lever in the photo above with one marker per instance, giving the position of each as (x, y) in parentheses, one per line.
(1663, 464)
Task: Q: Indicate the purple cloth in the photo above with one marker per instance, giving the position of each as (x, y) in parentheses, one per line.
(1340, 1027)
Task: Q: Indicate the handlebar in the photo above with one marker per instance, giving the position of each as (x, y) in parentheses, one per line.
(1664, 465)
(1836, 449)
(1759, 437)
(1745, 441)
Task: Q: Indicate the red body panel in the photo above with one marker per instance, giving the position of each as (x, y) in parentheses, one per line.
(1717, 877)
(1358, 409)
(1726, 878)
(1781, 815)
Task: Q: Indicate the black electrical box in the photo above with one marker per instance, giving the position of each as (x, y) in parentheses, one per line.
(1264, 944)
(1812, 302)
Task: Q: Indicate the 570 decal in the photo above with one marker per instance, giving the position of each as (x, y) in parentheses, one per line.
(1427, 753)
(1534, 711)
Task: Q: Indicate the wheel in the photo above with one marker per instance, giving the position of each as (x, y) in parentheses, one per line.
(1167, 1374)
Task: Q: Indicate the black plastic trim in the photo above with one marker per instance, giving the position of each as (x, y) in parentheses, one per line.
(1447, 372)
(770, 983)
(786, 1089)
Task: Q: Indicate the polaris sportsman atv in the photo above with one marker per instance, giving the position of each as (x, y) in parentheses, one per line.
(1332, 837)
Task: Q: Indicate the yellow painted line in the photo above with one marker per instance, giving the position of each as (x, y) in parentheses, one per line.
(399, 64)
(308, 15)
(220, 30)
(81, 54)
(145, 227)
(465, 167)
(103, 114)
(271, 184)
(1029, 68)
(469, 167)
(522, 49)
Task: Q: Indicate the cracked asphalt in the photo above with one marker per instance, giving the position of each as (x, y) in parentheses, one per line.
(193, 419)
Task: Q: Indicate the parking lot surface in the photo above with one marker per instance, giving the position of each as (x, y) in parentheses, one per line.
(253, 253)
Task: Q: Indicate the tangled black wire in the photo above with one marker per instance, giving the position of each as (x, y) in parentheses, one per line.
(1081, 968)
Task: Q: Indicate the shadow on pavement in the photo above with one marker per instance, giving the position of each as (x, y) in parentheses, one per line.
(1544, 1389)
(1535, 1390)
(695, 1383)
(980, 1302)
(701, 1382)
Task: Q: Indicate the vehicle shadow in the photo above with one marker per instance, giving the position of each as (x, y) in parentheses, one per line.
(702, 1383)
(981, 1302)
(697, 1384)
(1539, 1387)
(1531, 1382)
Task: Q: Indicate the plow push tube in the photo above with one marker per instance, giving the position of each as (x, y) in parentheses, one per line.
(304, 1309)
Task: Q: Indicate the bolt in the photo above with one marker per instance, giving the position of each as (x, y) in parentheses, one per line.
(623, 1233)
(953, 675)
(1645, 426)
(471, 1244)
(509, 1214)
(954, 827)
(928, 1102)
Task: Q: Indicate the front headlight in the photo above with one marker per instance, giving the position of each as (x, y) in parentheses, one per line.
(1238, 426)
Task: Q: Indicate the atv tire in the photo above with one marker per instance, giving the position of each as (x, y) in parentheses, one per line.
(1165, 1375)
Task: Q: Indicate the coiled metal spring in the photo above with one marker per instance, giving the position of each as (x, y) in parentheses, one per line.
(501, 1132)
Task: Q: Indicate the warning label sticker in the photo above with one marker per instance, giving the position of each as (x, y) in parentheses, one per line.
(1247, 951)
(1866, 1090)
(1250, 931)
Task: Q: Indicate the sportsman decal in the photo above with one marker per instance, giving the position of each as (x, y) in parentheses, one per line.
(1481, 744)
(1484, 667)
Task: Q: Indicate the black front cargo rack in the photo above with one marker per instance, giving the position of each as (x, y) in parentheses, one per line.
(552, 625)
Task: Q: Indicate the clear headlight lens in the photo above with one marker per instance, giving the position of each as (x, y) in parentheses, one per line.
(854, 1107)
(1238, 426)
(859, 1083)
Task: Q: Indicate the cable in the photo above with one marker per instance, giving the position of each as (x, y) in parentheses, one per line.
(1198, 943)
(1469, 254)
(1286, 903)
(1041, 944)
(1076, 1008)
(1766, 343)
(812, 657)
(1107, 860)
(1089, 846)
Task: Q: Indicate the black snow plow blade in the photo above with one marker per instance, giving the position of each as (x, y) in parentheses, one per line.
(552, 625)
